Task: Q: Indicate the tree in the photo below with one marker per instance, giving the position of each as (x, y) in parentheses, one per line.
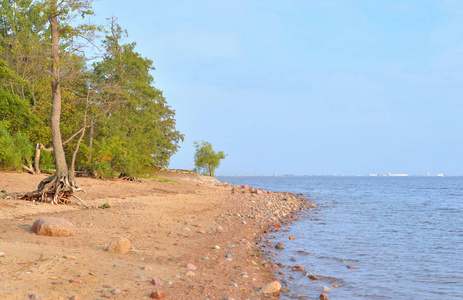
(136, 128)
(60, 16)
(206, 159)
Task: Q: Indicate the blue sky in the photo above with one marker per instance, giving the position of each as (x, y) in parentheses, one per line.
(308, 87)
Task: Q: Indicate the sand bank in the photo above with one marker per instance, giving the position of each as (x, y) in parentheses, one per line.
(172, 221)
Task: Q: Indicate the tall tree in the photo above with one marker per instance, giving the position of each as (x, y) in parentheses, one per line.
(60, 17)
(138, 127)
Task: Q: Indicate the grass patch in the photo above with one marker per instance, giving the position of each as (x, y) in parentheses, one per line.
(166, 180)
(106, 205)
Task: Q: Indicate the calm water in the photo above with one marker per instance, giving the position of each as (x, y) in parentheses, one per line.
(405, 235)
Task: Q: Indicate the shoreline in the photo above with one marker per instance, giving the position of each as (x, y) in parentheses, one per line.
(172, 221)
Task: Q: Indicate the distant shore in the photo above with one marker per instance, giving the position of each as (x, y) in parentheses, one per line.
(172, 220)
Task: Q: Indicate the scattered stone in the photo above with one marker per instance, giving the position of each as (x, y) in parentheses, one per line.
(216, 247)
(169, 282)
(156, 281)
(326, 289)
(147, 268)
(313, 277)
(234, 284)
(231, 246)
(191, 267)
(34, 297)
(186, 229)
(324, 296)
(190, 274)
(75, 297)
(271, 288)
(56, 282)
(352, 267)
(52, 226)
(205, 258)
(335, 285)
(253, 263)
(219, 229)
(2, 254)
(77, 281)
(107, 286)
(141, 277)
(70, 257)
(279, 246)
(158, 295)
(292, 237)
(298, 268)
(229, 255)
(119, 245)
(116, 291)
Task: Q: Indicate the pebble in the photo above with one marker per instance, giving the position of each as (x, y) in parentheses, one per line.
(324, 296)
(141, 277)
(219, 229)
(115, 291)
(229, 255)
(216, 247)
(70, 257)
(292, 237)
(186, 229)
(78, 281)
(205, 258)
(2, 254)
(326, 289)
(231, 246)
(190, 274)
(107, 286)
(234, 284)
(156, 281)
(158, 295)
(191, 267)
(352, 267)
(169, 282)
(75, 297)
(279, 245)
(34, 297)
(147, 268)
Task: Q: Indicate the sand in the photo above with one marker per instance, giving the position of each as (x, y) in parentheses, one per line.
(172, 220)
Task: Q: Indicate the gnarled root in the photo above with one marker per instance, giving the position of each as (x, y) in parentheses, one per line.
(54, 189)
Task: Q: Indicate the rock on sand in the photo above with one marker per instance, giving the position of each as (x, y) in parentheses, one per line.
(271, 288)
(52, 226)
(119, 245)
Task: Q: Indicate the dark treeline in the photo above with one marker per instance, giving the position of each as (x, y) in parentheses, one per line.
(113, 119)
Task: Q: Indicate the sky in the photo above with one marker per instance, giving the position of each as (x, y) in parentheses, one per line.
(308, 87)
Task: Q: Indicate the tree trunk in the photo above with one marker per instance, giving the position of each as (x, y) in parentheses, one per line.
(37, 159)
(58, 150)
(90, 141)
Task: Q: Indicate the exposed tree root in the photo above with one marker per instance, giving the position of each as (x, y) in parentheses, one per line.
(54, 190)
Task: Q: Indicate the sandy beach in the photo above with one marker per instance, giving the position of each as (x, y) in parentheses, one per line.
(194, 235)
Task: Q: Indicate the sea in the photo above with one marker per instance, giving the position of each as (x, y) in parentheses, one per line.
(402, 237)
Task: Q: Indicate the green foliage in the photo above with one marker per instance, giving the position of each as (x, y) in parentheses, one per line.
(134, 127)
(206, 159)
(14, 149)
(138, 131)
(105, 205)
